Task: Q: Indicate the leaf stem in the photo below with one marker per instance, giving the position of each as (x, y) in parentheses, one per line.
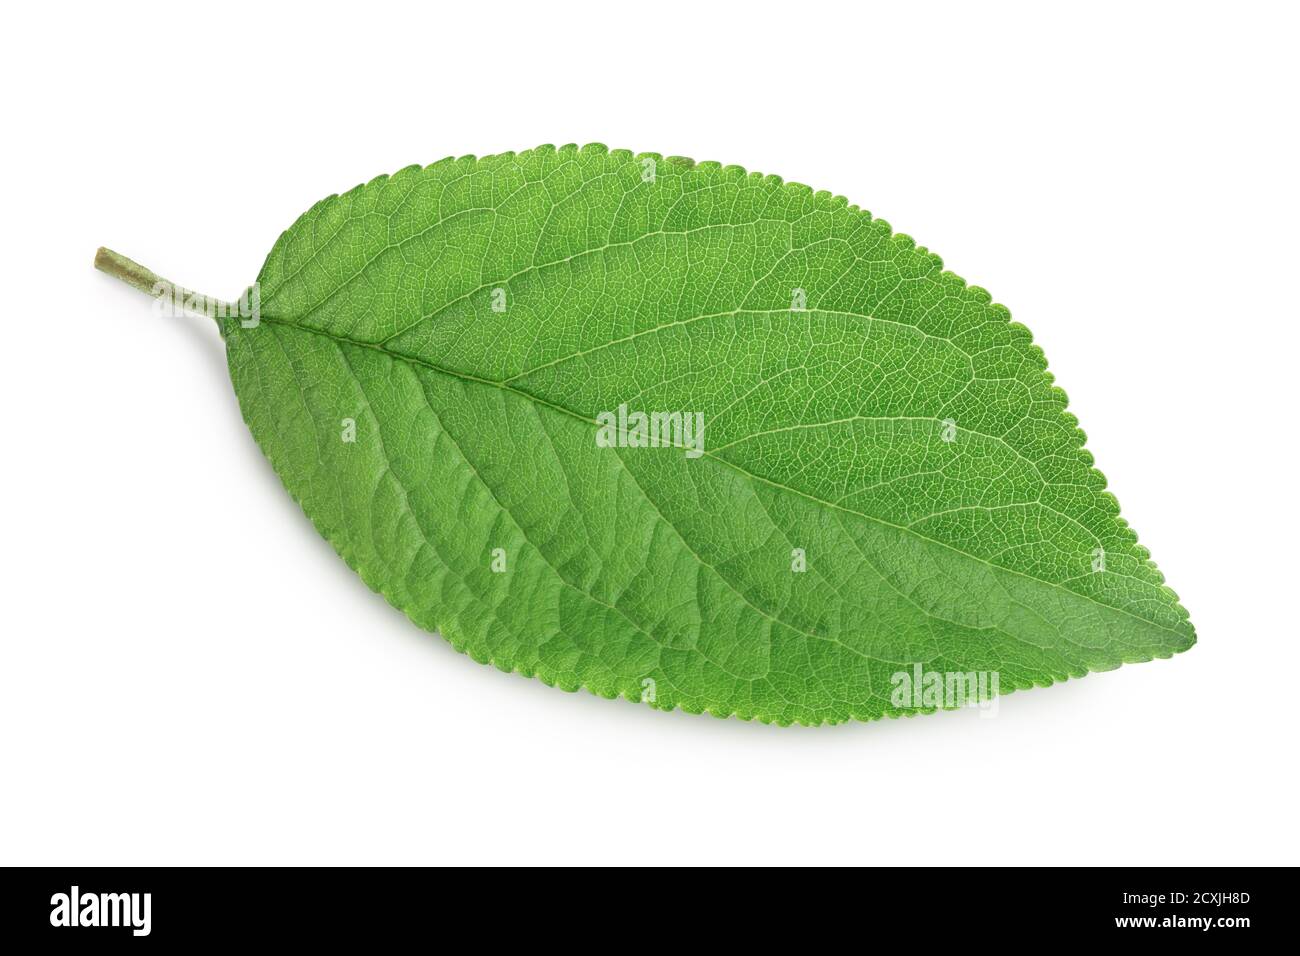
(148, 281)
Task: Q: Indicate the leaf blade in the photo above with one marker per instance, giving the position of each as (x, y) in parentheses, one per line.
(824, 433)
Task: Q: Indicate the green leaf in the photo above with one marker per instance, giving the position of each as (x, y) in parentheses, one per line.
(888, 482)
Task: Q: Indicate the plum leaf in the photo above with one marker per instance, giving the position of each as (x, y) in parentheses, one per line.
(688, 435)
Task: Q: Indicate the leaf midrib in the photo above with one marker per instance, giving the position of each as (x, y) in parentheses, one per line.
(467, 377)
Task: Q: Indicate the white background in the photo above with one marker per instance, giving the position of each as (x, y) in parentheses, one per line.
(188, 674)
